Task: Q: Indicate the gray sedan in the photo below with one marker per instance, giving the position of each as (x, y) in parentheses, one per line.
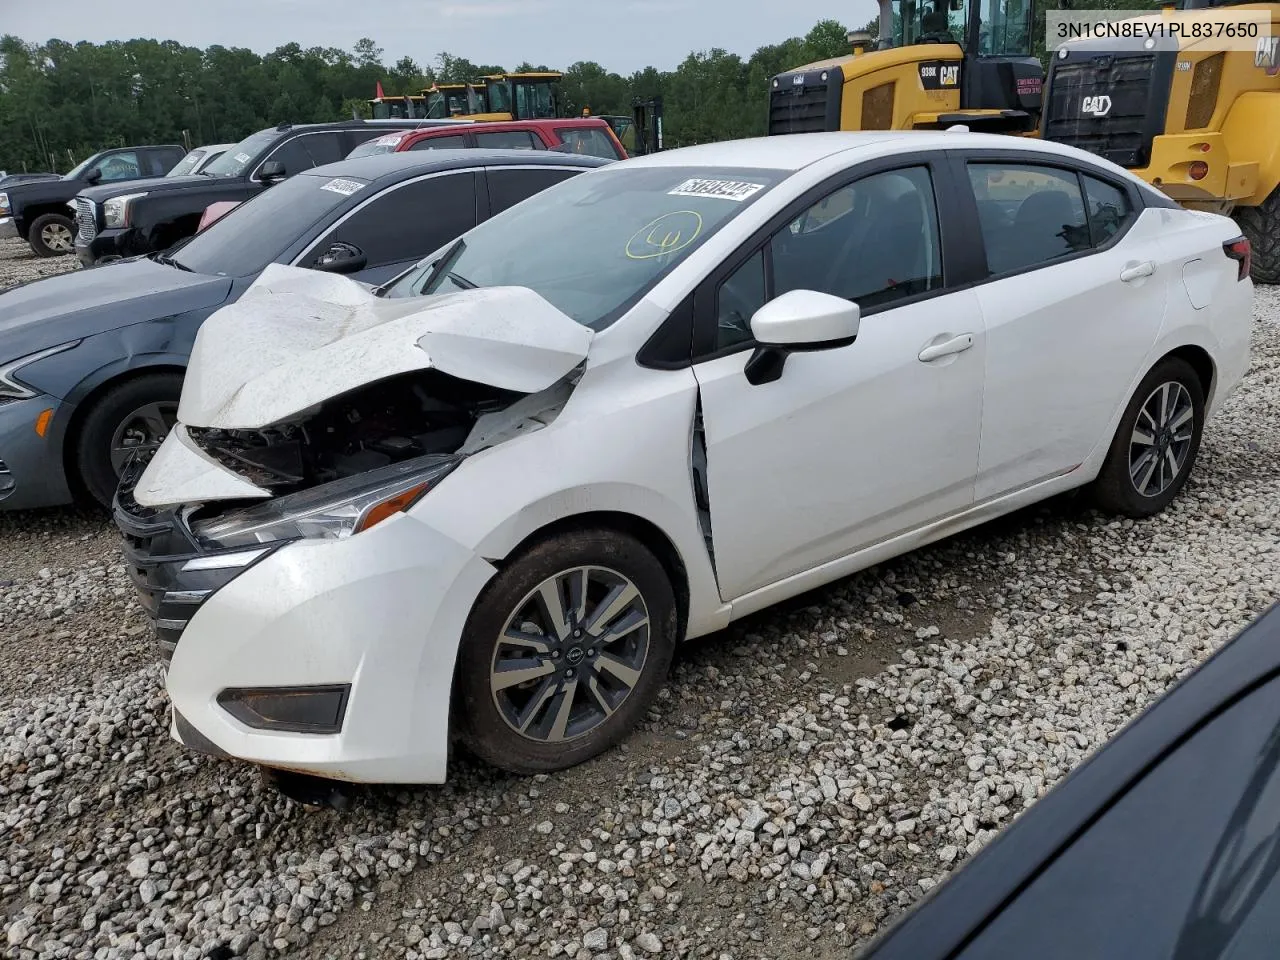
(91, 362)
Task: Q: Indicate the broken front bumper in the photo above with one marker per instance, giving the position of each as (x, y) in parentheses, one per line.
(376, 616)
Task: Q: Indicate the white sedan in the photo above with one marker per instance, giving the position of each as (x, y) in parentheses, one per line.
(489, 500)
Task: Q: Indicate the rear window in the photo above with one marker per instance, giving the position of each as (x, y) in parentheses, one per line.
(591, 141)
(454, 141)
(383, 144)
(509, 140)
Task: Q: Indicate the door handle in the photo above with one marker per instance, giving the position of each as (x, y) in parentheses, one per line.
(939, 350)
(1137, 271)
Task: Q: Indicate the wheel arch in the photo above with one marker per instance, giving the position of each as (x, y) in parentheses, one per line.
(89, 394)
(1198, 358)
(646, 531)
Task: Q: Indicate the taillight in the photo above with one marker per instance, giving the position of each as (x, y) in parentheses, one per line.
(1241, 252)
(1198, 170)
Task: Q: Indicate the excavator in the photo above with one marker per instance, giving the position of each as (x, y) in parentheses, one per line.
(500, 96)
(1197, 121)
(936, 63)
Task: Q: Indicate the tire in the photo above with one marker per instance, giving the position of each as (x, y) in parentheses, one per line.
(145, 402)
(48, 232)
(1261, 225)
(1117, 488)
(487, 717)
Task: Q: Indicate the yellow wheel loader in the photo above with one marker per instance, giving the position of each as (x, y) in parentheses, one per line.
(936, 63)
(1199, 122)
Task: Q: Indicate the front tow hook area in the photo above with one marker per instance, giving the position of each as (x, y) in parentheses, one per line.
(310, 790)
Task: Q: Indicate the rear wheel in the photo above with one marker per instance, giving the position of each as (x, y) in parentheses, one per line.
(564, 651)
(1156, 444)
(129, 420)
(52, 235)
(1261, 225)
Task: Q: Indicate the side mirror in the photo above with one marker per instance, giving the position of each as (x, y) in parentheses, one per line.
(272, 172)
(93, 176)
(341, 258)
(798, 321)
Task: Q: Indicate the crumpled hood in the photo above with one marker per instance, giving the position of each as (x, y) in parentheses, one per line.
(298, 337)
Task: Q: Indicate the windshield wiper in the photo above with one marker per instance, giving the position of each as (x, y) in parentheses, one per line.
(170, 262)
(463, 282)
(443, 264)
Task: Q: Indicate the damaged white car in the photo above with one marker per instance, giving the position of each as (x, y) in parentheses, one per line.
(488, 500)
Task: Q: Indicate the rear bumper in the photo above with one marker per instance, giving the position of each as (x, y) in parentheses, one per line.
(31, 470)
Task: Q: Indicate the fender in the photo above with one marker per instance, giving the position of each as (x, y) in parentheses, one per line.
(1250, 134)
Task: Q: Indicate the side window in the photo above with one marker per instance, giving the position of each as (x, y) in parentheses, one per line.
(407, 222)
(509, 187)
(737, 299)
(1109, 210)
(1186, 864)
(451, 142)
(1028, 214)
(303, 153)
(509, 140)
(592, 142)
(873, 241)
(119, 166)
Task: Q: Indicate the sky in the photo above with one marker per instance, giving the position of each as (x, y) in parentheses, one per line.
(623, 35)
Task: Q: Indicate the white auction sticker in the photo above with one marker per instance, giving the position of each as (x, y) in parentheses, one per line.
(243, 158)
(390, 140)
(735, 190)
(344, 187)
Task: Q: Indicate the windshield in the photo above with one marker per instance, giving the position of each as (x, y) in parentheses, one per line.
(236, 161)
(259, 231)
(929, 21)
(594, 244)
(186, 164)
(370, 148)
(499, 96)
(79, 168)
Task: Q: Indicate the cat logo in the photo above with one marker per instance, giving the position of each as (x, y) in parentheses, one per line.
(949, 76)
(1267, 54)
(1096, 106)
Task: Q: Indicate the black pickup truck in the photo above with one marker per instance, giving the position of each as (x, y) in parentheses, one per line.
(150, 215)
(36, 210)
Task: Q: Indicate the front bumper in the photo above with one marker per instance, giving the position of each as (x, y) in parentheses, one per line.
(380, 612)
(31, 469)
(106, 245)
(8, 228)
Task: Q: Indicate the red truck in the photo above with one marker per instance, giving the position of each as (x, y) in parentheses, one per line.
(586, 135)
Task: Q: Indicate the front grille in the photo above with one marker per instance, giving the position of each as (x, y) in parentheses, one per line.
(806, 102)
(172, 571)
(86, 220)
(1111, 104)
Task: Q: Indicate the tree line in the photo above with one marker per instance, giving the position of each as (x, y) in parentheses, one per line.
(61, 102)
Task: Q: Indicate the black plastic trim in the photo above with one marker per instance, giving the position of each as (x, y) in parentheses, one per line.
(317, 708)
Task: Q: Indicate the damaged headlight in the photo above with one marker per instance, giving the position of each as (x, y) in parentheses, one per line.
(331, 511)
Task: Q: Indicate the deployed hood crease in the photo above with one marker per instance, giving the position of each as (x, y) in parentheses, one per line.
(297, 338)
(180, 473)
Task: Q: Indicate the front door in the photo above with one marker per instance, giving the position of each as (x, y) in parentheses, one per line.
(852, 445)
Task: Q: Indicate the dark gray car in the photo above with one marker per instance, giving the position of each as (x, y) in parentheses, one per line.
(91, 362)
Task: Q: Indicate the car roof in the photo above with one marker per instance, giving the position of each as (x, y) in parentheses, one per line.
(397, 166)
(794, 151)
(957, 909)
(498, 126)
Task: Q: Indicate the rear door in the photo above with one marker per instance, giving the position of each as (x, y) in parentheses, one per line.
(1073, 301)
(402, 224)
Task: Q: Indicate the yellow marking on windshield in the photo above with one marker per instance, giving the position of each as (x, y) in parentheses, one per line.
(668, 234)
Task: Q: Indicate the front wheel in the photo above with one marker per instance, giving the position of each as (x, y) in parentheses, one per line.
(129, 420)
(1156, 444)
(564, 651)
(52, 235)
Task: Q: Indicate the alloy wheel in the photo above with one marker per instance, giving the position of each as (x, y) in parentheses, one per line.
(142, 432)
(569, 655)
(1161, 439)
(57, 236)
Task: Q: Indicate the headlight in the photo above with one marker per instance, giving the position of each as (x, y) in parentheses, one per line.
(115, 212)
(4, 205)
(331, 511)
(10, 389)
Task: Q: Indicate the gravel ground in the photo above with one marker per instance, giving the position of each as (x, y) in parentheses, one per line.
(806, 776)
